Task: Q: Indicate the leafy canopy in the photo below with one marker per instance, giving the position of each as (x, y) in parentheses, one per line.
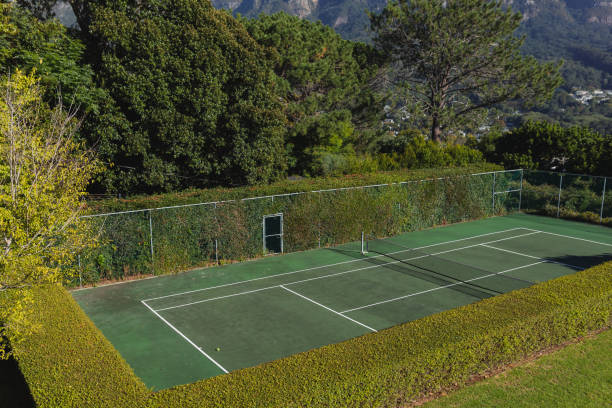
(324, 84)
(455, 58)
(196, 103)
(27, 43)
(535, 145)
(43, 173)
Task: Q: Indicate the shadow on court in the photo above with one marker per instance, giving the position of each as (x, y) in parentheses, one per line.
(583, 262)
(458, 277)
(475, 282)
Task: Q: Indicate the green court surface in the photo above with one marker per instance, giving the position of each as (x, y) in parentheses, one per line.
(181, 328)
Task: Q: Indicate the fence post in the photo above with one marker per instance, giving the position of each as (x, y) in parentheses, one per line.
(559, 199)
(151, 239)
(319, 227)
(493, 194)
(521, 191)
(80, 272)
(603, 200)
(216, 252)
(217, 234)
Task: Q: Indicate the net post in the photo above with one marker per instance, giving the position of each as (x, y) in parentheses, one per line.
(559, 199)
(151, 239)
(217, 234)
(603, 200)
(521, 192)
(493, 194)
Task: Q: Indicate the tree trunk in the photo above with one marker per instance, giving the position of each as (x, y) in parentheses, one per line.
(436, 132)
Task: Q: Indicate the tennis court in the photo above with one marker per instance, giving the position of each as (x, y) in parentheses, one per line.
(178, 329)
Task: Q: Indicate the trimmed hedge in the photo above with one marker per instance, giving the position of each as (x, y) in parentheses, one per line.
(71, 364)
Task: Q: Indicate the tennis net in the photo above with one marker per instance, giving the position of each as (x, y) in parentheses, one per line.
(469, 279)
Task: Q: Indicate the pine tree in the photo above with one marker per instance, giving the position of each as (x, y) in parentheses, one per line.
(456, 58)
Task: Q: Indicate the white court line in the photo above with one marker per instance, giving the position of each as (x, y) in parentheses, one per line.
(534, 257)
(438, 288)
(327, 308)
(569, 236)
(186, 338)
(115, 283)
(326, 266)
(338, 273)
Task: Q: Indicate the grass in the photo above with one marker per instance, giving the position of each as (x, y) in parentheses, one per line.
(579, 375)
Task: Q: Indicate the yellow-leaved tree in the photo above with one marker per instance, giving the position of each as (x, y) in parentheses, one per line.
(43, 175)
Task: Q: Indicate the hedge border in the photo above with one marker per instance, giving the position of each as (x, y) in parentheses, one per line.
(380, 369)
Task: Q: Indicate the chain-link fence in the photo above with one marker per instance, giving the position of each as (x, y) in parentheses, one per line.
(170, 239)
(566, 195)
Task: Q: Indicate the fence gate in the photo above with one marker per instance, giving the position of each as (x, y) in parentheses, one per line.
(273, 233)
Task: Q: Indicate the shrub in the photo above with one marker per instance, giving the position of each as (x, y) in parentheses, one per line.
(418, 153)
(69, 363)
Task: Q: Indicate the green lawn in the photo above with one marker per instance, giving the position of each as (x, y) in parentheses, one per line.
(578, 376)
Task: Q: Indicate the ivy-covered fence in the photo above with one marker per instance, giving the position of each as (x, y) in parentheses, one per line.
(169, 239)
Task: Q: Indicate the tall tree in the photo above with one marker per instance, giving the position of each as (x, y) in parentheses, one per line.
(43, 175)
(324, 83)
(196, 101)
(28, 43)
(456, 58)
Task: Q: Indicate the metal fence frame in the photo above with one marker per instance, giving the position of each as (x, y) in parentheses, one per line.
(214, 204)
(561, 185)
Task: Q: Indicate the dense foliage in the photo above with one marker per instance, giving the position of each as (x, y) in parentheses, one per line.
(408, 151)
(198, 235)
(574, 30)
(43, 176)
(542, 145)
(324, 83)
(184, 96)
(395, 365)
(195, 104)
(27, 43)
